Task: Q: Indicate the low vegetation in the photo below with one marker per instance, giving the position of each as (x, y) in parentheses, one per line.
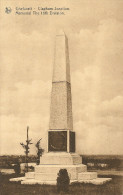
(103, 162)
(114, 187)
(63, 181)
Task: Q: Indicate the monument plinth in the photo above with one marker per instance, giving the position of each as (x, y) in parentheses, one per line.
(61, 137)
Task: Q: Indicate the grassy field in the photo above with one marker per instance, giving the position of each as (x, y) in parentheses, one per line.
(114, 187)
(93, 162)
(110, 163)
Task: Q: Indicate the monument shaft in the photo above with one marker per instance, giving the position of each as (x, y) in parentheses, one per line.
(61, 105)
(60, 135)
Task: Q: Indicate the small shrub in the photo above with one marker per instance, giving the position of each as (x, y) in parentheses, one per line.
(31, 168)
(63, 181)
(17, 168)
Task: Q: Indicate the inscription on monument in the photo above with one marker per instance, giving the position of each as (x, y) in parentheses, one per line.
(57, 141)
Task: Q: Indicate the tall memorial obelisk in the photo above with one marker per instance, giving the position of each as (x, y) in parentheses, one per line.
(61, 137)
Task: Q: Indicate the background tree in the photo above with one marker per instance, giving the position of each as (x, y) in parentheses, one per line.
(39, 151)
(26, 147)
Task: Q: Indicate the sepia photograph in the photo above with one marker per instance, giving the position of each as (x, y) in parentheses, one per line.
(61, 97)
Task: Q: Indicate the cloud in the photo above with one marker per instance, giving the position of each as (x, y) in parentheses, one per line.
(28, 105)
(15, 132)
(113, 107)
(99, 140)
(97, 85)
(24, 57)
(26, 99)
(98, 92)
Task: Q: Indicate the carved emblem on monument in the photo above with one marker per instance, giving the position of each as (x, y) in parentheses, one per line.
(57, 141)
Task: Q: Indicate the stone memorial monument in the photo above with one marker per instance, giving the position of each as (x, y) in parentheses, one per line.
(61, 147)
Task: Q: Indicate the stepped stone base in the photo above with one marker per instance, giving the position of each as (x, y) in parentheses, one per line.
(24, 180)
(87, 176)
(49, 172)
(62, 158)
(50, 164)
(97, 181)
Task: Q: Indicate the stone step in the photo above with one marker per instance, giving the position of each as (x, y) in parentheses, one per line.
(87, 176)
(81, 168)
(17, 179)
(73, 170)
(45, 176)
(51, 171)
(33, 182)
(48, 182)
(97, 181)
(60, 159)
(30, 175)
(55, 168)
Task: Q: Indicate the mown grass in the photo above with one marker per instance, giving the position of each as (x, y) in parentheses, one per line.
(114, 187)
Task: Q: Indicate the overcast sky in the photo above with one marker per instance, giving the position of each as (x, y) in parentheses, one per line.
(95, 33)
